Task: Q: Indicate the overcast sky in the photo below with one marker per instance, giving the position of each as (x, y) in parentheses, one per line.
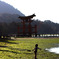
(44, 9)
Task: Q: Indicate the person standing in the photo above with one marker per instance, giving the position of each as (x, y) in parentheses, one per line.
(35, 50)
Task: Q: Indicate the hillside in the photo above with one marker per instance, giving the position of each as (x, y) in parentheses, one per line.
(8, 13)
(6, 8)
(8, 18)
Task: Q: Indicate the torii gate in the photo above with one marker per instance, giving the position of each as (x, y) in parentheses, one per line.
(27, 19)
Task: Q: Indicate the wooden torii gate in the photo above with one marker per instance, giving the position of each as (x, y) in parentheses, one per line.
(27, 19)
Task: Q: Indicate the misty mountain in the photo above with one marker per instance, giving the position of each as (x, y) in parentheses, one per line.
(8, 13)
(8, 18)
(6, 8)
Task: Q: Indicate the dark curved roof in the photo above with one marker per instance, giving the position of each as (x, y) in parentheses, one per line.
(26, 17)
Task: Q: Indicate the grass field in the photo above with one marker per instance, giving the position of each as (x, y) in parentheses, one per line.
(19, 48)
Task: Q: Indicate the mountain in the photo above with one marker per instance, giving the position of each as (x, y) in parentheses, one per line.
(8, 13)
(8, 18)
(6, 8)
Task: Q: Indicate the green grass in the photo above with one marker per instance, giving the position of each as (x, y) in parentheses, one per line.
(18, 48)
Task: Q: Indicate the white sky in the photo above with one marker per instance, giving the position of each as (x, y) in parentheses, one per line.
(44, 9)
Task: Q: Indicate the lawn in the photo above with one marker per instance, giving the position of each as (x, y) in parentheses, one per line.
(19, 48)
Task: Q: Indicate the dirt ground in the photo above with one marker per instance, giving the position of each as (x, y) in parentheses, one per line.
(35, 38)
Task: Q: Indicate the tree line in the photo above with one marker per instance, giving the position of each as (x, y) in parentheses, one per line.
(46, 27)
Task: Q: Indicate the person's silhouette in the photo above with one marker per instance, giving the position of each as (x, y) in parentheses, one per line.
(35, 50)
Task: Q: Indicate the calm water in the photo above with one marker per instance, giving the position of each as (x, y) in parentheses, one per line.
(55, 50)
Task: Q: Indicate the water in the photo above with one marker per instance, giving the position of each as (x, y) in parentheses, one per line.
(54, 50)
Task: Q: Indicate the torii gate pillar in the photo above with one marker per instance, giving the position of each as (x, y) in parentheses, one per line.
(27, 19)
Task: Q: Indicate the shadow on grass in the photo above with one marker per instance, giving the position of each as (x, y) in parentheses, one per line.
(14, 49)
(9, 47)
(7, 41)
(19, 49)
(14, 57)
(27, 51)
(3, 46)
(10, 51)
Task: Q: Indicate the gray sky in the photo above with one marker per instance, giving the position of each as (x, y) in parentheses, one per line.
(44, 9)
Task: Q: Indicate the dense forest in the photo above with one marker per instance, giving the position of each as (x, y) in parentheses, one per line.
(46, 27)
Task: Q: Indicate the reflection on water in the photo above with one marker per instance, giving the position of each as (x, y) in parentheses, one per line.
(55, 50)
